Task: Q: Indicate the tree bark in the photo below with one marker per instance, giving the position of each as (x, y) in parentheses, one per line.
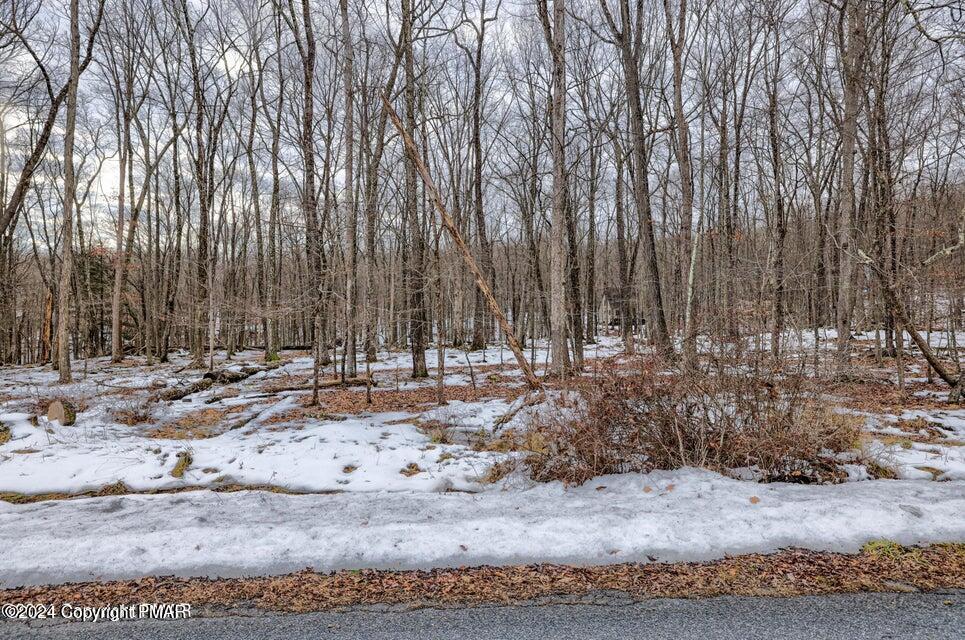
(853, 53)
(555, 36)
(415, 265)
(412, 152)
(70, 189)
(348, 194)
(627, 41)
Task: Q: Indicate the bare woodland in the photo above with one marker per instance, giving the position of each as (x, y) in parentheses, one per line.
(349, 177)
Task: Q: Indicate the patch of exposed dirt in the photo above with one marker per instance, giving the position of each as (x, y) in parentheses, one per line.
(119, 489)
(197, 425)
(302, 413)
(884, 397)
(882, 566)
(921, 430)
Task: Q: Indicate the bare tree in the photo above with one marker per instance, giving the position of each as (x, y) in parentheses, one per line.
(555, 36)
(70, 190)
(628, 36)
(851, 42)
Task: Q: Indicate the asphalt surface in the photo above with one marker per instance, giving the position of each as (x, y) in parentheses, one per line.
(904, 616)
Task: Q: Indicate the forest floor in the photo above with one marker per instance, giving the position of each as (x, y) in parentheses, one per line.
(243, 477)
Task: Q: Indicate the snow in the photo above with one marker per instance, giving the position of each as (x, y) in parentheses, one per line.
(941, 460)
(950, 421)
(360, 510)
(355, 452)
(803, 340)
(686, 515)
(923, 460)
(469, 416)
(359, 453)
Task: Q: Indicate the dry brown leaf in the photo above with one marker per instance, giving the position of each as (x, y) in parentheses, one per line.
(788, 573)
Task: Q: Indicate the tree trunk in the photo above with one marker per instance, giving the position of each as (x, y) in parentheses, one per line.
(853, 53)
(415, 265)
(626, 43)
(555, 37)
(70, 189)
(348, 195)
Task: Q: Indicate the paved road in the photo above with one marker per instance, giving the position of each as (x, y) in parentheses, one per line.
(852, 617)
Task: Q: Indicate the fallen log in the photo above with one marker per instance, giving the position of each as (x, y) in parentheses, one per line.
(228, 376)
(209, 379)
(529, 400)
(178, 393)
(230, 396)
(360, 381)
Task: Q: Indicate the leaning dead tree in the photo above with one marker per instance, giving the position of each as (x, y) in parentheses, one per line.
(450, 226)
(893, 298)
(690, 178)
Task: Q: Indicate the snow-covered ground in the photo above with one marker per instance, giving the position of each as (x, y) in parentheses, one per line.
(366, 453)
(940, 459)
(262, 438)
(682, 515)
(384, 490)
(805, 340)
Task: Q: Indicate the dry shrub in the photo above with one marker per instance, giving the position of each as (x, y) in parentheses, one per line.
(437, 431)
(410, 470)
(131, 413)
(499, 471)
(508, 440)
(721, 422)
(184, 460)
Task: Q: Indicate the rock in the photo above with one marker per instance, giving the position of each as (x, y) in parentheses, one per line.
(63, 411)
